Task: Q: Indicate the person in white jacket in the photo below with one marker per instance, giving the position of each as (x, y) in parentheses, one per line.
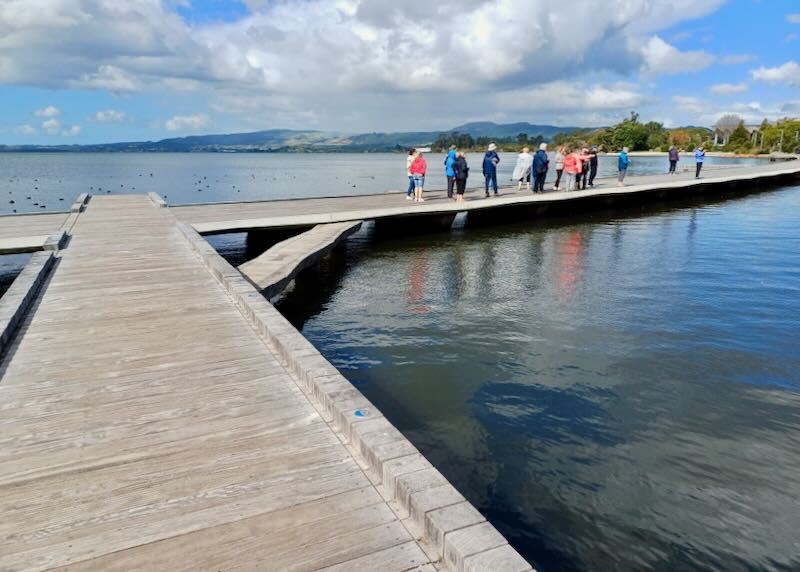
(522, 170)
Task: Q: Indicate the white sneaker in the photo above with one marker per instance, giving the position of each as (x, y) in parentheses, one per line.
(409, 198)
(421, 200)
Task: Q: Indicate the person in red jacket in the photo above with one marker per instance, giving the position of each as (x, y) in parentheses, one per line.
(418, 169)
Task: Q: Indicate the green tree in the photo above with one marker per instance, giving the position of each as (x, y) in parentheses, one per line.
(739, 137)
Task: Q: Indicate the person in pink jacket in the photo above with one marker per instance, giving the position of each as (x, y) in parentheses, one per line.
(418, 169)
(573, 167)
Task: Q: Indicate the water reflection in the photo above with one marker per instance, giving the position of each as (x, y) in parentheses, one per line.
(569, 264)
(417, 277)
(614, 394)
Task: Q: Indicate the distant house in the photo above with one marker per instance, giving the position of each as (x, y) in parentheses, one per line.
(722, 135)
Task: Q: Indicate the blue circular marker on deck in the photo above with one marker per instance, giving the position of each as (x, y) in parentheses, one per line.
(360, 413)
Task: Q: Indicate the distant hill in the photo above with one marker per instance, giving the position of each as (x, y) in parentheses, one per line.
(489, 129)
(276, 140)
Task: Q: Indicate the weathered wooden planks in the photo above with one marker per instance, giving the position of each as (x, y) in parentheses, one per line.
(145, 425)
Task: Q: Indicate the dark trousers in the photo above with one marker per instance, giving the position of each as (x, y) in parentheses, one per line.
(592, 174)
(461, 184)
(582, 176)
(451, 181)
(697, 170)
(672, 164)
(538, 182)
(410, 190)
(491, 178)
(559, 172)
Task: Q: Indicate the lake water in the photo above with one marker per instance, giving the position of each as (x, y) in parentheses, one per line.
(49, 182)
(620, 392)
(613, 392)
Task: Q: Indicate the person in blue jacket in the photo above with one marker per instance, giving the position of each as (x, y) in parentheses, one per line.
(490, 161)
(622, 166)
(540, 165)
(699, 157)
(449, 171)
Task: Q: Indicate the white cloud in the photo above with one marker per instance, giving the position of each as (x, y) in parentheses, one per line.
(788, 73)
(344, 61)
(51, 126)
(25, 129)
(791, 38)
(735, 59)
(728, 88)
(110, 78)
(690, 103)
(661, 58)
(752, 112)
(110, 116)
(793, 18)
(72, 131)
(564, 96)
(186, 122)
(49, 111)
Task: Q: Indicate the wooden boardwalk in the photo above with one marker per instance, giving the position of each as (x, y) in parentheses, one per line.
(156, 413)
(144, 425)
(228, 217)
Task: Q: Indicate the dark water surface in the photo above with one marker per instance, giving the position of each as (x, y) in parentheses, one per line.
(620, 392)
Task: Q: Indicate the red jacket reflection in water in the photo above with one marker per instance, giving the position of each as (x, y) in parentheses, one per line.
(569, 265)
(418, 275)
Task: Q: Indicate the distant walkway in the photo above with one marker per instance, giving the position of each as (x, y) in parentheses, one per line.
(230, 217)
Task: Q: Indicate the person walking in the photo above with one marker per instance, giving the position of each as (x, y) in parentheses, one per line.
(673, 159)
(622, 166)
(699, 157)
(522, 170)
(559, 166)
(412, 153)
(418, 169)
(449, 172)
(592, 165)
(540, 165)
(490, 161)
(461, 170)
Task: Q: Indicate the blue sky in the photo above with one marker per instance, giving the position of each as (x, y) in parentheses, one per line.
(85, 71)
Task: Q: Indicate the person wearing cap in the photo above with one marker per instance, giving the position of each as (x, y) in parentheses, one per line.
(540, 165)
(592, 165)
(490, 161)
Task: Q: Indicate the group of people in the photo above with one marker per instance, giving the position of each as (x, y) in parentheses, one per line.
(699, 158)
(577, 166)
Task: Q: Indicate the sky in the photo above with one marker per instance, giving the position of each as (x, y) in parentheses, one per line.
(92, 71)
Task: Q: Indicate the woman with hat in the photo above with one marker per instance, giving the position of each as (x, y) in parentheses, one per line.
(490, 161)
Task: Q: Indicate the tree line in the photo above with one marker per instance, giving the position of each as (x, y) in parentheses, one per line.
(782, 135)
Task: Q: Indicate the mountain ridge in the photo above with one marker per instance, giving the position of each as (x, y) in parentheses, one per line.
(282, 140)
